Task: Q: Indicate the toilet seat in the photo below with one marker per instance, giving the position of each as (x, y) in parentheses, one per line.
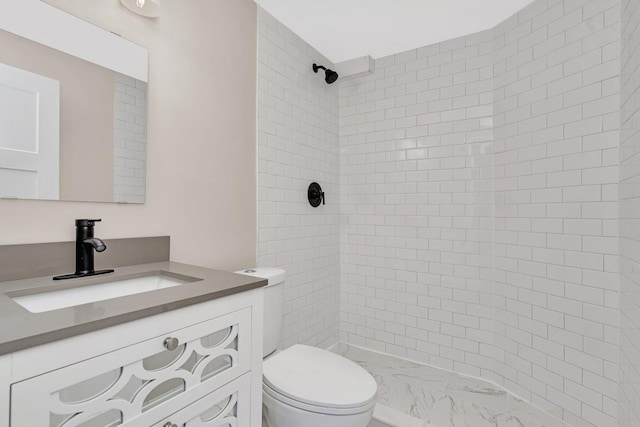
(319, 381)
(313, 408)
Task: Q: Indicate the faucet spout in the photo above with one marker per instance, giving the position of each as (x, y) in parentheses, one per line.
(96, 244)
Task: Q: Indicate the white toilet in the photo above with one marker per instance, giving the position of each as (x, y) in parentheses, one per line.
(305, 386)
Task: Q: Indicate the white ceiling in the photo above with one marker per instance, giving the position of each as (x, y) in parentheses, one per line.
(347, 29)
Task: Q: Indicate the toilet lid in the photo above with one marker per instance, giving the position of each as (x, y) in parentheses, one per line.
(319, 377)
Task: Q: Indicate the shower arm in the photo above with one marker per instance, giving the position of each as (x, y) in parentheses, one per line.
(318, 67)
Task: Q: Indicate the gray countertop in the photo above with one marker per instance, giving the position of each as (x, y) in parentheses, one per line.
(22, 329)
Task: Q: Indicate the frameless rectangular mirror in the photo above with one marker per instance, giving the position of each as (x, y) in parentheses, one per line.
(73, 108)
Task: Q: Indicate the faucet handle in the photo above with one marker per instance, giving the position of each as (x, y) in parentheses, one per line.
(86, 222)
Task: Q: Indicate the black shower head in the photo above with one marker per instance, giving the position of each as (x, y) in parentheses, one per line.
(330, 75)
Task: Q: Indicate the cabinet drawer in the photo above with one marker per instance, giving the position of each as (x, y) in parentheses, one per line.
(227, 406)
(140, 384)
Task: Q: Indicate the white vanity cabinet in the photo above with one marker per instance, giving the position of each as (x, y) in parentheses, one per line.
(231, 408)
(195, 366)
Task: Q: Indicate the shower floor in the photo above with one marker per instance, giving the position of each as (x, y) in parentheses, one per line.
(415, 395)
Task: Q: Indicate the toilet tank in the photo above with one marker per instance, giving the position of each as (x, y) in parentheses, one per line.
(273, 303)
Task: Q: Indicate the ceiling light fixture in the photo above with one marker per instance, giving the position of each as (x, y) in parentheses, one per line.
(146, 8)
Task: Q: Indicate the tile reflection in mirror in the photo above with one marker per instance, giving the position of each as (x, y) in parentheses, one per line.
(69, 129)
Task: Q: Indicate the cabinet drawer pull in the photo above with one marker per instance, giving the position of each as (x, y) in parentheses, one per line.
(169, 423)
(171, 344)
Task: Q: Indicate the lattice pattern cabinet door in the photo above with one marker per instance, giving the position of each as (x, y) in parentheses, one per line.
(140, 384)
(225, 407)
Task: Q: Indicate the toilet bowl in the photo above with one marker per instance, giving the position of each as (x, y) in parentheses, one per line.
(304, 386)
(311, 387)
(278, 414)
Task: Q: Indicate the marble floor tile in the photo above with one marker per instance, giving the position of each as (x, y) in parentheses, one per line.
(480, 393)
(451, 411)
(390, 366)
(376, 423)
(411, 394)
(523, 414)
(394, 418)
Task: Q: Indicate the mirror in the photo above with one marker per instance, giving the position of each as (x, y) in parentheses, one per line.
(73, 108)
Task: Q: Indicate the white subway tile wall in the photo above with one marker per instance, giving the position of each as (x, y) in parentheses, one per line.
(130, 140)
(472, 189)
(556, 135)
(417, 201)
(297, 145)
(629, 375)
(520, 123)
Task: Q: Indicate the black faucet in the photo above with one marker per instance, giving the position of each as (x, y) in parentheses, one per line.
(85, 245)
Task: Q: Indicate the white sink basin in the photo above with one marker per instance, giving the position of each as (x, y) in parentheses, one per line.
(54, 300)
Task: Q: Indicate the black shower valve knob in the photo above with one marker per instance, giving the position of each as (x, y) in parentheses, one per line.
(315, 194)
(320, 195)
